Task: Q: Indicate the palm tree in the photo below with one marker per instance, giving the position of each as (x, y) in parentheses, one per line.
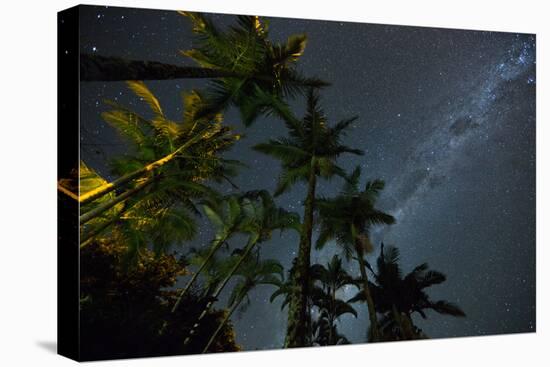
(261, 217)
(397, 297)
(287, 288)
(227, 217)
(243, 64)
(252, 273)
(348, 218)
(309, 152)
(332, 278)
(284, 289)
(213, 269)
(167, 168)
(156, 218)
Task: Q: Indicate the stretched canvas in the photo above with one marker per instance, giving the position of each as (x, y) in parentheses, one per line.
(231, 183)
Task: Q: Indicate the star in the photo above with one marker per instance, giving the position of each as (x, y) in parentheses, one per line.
(422, 75)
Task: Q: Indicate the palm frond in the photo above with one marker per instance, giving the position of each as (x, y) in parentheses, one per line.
(282, 149)
(430, 278)
(291, 51)
(447, 308)
(141, 90)
(289, 177)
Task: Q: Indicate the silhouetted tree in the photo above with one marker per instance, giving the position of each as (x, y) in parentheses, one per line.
(246, 69)
(348, 218)
(310, 151)
(251, 273)
(397, 297)
(332, 279)
(260, 218)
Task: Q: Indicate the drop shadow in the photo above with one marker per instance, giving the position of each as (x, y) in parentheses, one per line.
(50, 346)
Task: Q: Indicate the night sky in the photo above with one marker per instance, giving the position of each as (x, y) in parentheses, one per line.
(446, 118)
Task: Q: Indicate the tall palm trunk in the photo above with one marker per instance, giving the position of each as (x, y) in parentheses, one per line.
(222, 324)
(332, 291)
(252, 242)
(86, 239)
(103, 207)
(366, 289)
(109, 69)
(102, 68)
(298, 310)
(119, 182)
(215, 247)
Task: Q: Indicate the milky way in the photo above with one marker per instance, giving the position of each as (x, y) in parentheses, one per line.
(446, 118)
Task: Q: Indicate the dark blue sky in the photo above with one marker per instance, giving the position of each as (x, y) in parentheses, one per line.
(446, 118)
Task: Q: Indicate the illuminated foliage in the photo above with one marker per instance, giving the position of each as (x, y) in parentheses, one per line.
(258, 73)
(161, 180)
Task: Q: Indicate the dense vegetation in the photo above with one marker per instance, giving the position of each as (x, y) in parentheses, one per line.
(130, 305)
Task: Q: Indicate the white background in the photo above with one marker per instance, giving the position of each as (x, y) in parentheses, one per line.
(28, 182)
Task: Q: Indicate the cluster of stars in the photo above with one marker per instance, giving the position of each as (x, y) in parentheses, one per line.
(406, 101)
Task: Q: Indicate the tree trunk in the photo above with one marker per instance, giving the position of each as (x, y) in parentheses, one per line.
(103, 68)
(109, 69)
(103, 207)
(213, 337)
(119, 182)
(405, 324)
(366, 289)
(297, 310)
(331, 316)
(216, 294)
(216, 246)
(86, 239)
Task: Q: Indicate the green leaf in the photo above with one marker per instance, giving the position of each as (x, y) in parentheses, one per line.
(141, 90)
